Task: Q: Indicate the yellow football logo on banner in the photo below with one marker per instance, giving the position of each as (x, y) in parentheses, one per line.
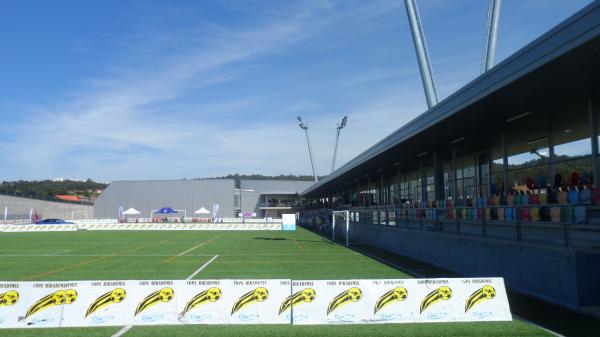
(486, 293)
(394, 295)
(210, 295)
(257, 295)
(56, 298)
(163, 295)
(306, 295)
(110, 297)
(441, 293)
(348, 296)
(9, 298)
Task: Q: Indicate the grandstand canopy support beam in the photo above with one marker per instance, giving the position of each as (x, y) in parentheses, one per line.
(438, 176)
(594, 139)
(504, 161)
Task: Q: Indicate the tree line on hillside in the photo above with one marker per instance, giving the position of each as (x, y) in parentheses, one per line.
(238, 177)
(47, 189)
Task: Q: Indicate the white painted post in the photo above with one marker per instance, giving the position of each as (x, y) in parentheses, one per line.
(347, 228)
(333, 228)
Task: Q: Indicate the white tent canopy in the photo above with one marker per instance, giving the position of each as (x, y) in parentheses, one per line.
(202, 211)
(131, 211)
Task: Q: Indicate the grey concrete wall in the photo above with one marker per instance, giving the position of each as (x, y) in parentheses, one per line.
(146, 196)
(251, 201)
(18, 208)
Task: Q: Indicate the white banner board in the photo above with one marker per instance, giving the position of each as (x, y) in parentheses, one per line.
(173, 302)
(399, 301)
(148, 302)
(276, 226)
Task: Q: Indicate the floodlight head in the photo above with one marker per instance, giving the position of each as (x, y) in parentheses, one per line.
(342, 123)
(301, 123)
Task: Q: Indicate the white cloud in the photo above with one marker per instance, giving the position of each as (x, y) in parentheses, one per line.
(113, 129)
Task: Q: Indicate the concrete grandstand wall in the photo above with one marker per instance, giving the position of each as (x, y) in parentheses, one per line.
(18, 208)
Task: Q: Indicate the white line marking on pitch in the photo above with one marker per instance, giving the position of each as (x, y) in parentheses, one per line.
(201, 268)
(127, 327)
(57, 252)
(164, 255)
(189, 250)
(123, 331)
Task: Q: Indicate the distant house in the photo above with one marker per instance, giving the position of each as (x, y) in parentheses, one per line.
(66, 197)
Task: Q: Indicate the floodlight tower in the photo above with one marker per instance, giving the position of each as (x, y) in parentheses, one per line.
(491, 32)
(304, 127)
(340, 126)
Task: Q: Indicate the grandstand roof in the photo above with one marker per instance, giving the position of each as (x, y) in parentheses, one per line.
(275, 186)
(558, 68)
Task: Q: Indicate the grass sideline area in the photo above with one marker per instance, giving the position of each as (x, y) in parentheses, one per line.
(91, 255)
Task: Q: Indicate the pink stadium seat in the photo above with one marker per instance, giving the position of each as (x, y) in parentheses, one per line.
(596, 196)
(524, 214)
(534, 199)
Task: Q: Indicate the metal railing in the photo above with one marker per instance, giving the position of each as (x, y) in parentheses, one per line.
(558, 228)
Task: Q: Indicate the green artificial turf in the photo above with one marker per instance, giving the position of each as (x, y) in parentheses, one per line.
(120, 255)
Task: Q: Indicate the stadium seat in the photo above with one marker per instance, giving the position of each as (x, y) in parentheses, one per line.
(500, 213)
(580, 214)
(524, 214)
(517, 200)
(542, 198)
(585, 197)
(534, 199)
(561, 197)
(573, 197)
(508, 214)
(510, 199)
(596, 196)
(569, 214)
(555, 214)
(534, 213)
(524, 199)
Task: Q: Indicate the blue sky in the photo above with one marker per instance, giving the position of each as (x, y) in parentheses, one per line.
(184, 89)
